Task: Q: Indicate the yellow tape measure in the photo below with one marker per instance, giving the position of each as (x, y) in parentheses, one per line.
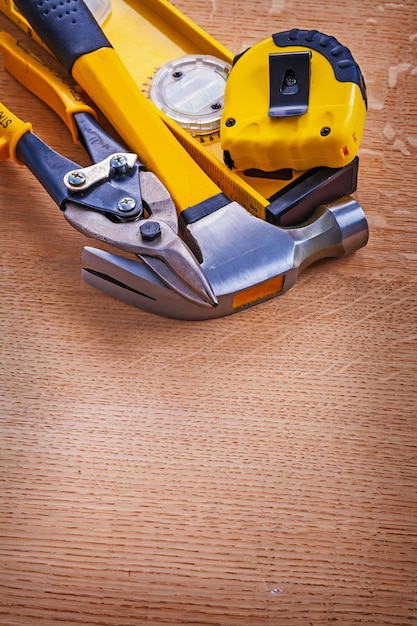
(304, 105)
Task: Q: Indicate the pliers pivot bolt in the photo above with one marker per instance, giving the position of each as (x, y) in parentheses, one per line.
(150, 230)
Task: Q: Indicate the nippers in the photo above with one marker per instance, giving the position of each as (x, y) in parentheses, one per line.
(116, 200)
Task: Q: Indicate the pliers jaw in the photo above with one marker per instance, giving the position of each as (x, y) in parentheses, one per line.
(135, 284)
(148, 213)
(117, 201)
(155, 243)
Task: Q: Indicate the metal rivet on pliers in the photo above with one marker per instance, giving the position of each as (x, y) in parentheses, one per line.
(119, 163)
(126, 204)
(150, 230)
(76, 179)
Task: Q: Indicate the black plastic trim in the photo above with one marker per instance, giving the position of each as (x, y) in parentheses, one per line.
(198, 211)
(297, 201)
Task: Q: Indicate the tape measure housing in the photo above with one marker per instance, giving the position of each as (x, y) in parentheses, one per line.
(291, 117)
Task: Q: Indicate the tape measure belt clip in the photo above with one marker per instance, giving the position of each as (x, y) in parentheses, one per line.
(339, 56)
(289, 83)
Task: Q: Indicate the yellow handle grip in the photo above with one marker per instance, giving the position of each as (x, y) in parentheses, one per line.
(103, 76)
(60, 93)
(11, 130)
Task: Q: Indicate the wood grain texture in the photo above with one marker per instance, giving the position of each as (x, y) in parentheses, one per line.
(257, 469)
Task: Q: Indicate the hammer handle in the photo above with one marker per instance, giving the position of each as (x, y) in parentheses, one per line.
(336, 229)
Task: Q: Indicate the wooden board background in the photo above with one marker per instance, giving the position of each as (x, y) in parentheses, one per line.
(257, 469)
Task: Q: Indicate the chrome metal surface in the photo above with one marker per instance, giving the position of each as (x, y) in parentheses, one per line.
(240, 250)
(336, 229)
(233, 264)
(86, 177)
(167, 255)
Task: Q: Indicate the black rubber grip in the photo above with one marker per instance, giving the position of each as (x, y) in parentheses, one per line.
(67, 27)
(344, 65)
(48, 166)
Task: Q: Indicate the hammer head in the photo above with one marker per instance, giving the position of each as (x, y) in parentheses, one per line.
(245, 259)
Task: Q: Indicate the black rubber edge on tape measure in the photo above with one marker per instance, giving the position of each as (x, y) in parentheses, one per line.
(340, 58)
(67, 27)
(238, 56)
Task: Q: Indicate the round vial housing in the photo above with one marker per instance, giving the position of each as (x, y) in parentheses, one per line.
(190, 90)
